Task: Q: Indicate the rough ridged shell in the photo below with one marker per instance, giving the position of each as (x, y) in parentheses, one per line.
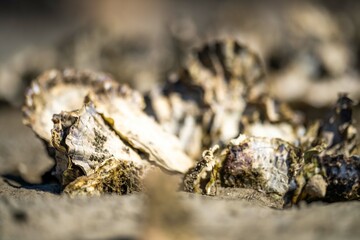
(85, 139)
(139, 130)
(55, 91)
(204, 103)
(265, 164)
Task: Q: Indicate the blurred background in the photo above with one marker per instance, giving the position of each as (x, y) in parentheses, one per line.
(141, 42)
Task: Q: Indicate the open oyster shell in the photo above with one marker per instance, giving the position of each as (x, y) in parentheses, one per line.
(55, 91)
(139, 130)
(111, 124)
(204, 103)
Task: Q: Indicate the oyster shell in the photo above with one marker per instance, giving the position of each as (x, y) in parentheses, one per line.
(139, 130)
(55, 91)
(278, 169)
(265, 164)
(96, 119)
(204, 103)
(84, 140)
(112, 124)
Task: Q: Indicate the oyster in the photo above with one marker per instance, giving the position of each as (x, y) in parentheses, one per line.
(323, 166)
(94, 120)
(284, 173)
(265, 164)
(83, 140)
(55, 91)
(204, 103)
(139, 130)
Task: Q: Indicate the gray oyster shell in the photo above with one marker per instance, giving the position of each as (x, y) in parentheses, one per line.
(83, 139)
(264, 164)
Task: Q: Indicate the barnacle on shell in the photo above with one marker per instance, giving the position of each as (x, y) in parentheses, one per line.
(111, 176)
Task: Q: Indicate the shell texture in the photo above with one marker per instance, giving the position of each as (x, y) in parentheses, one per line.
(139, 130)
(111, 176)
(55, 91)
(85, 139)
(104, 140)
(203, 104)
(320, 164)
(99, 130)
(264, 164)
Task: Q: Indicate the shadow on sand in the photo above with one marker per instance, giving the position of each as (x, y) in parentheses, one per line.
(17, 181)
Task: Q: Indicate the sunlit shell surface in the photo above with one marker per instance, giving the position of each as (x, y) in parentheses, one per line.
(87, 119)
(264, 164)
(139, 130)
(86, 140)
(55, 91)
